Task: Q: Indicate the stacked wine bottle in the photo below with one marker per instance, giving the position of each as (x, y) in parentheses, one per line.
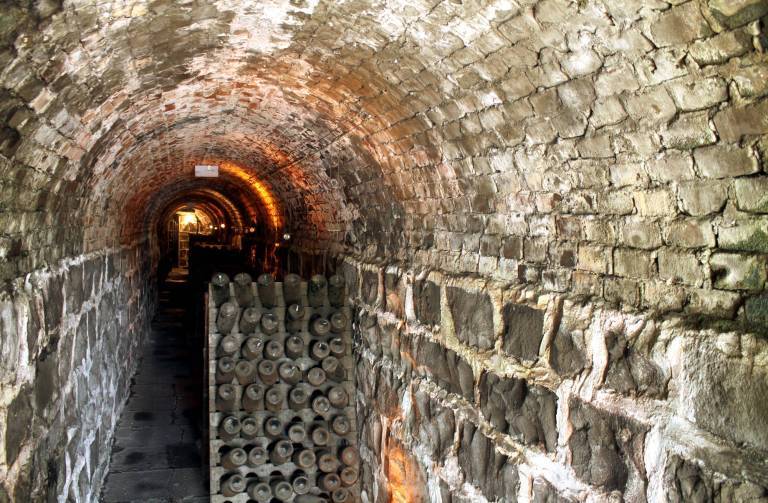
(281, 391)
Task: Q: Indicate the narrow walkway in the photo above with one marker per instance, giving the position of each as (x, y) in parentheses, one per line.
(156, 453)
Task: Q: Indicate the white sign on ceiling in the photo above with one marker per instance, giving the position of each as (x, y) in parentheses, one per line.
(206, 170)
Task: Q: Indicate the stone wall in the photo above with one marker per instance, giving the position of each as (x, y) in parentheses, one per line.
(494, 392)
(69, 336)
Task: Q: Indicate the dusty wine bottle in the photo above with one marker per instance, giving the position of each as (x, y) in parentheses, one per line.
(320, 434)
(226, 398)
(329, 482)
(300, 481)
(234, 458)
(298, 399)
(292, 289)
(273, 427)
(294, 347)
(341, 495)
(296, 431)
(304, 459)
(227, 317)
(273, 350)
(253, 348)
(249, 320)
(269, 323)
(294, 317)
(281, 452)
(219, 288)
(330, 365)
(326, 461)
(319, 350)
(260, 492)
(349, 456)
(274, 399)
(321, 405)
(282, 489)
(316, 376)
(289, 372)
(341, 425)
(249, 427)
(245, 372)
(232, 485)
(265, 284)
(348, 475)
(336, 290)
(225, 370)
(267, 372)
(338, 347)
(337, 396)
(228, 346)
(253, 398)
(316, 290)
(338, 322)
(229, 428)
(243, 289)
(257, 456)
(319, 326)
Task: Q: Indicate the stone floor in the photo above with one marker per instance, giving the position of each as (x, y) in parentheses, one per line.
(156, 456)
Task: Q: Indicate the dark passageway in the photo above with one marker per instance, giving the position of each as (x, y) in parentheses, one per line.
(157, 452)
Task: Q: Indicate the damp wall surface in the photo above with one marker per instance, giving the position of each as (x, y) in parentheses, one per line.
(70, 340)
(475, 390)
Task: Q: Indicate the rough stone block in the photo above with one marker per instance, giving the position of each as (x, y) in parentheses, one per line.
(640, 234)
(629, 371)
(523, 330)
(493, 473)
(733, 271)
(426, 298)
(594, 258)
(17, 429)
(527, 412)
(733, 13)
(734, 123)
(690, 233)
(721, 48)
(659, 202)
(698, 94)
(752, 194)
(700, 198)
(653, 106)
(433, 425)
(680, 267)
(715, 304)
(723, 161)
(567, 354)
(741, 414)
(472, 317)
(671, 166)
(690, 130)
(632, 263)
(745, 236)
(680, 25)
(607, 450)
(370, 289)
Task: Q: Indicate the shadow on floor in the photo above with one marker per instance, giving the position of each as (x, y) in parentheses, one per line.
(156, 455)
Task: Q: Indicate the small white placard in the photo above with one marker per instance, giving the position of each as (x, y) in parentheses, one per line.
(206, 170)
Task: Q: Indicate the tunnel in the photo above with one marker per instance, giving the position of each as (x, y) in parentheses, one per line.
(550, 216)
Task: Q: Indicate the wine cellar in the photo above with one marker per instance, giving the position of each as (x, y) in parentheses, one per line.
(281, 391)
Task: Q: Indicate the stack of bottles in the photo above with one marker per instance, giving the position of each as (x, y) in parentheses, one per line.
(281, 391)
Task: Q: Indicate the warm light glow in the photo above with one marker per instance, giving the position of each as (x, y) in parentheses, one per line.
(397, 475)
(187, 218)
(262, 190)
(223, 226)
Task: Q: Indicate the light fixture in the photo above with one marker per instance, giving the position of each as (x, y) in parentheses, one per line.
(223, 225)
(206, 170)
(188, 218)
(286, 236)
